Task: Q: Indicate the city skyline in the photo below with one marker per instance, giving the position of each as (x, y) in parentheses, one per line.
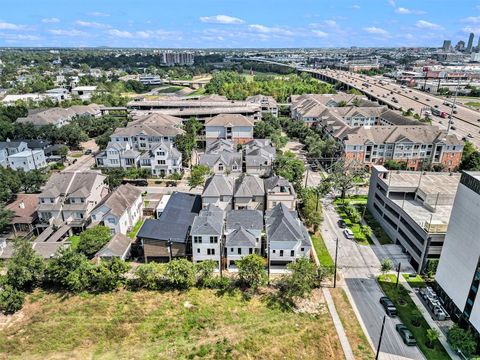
(237, 24)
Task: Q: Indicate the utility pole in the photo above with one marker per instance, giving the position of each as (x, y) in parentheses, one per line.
(453, 106)
(398, 273)
(381, 335)
(170, 249)
(221, 255)
(336, 257)
(268, 260)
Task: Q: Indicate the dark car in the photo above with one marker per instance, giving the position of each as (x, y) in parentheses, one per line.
(342, 224)
(389, 306)
(406, 335)
(88, 152)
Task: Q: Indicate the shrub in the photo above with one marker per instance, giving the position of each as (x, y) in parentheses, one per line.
(301, 279)
(204, 274)
(386, 266)
(180, 274)
(149, 276)
(462, 339)
(11, 299)
(25, 269)
(93, 239)
(251, 271)
(109, 275)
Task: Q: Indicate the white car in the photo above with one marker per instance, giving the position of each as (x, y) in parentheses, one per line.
(348, 234)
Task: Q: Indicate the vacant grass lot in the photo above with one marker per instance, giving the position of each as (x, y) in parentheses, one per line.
(356, 337)
(171, 325)
(406, 312)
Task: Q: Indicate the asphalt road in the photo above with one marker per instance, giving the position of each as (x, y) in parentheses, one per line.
(466, 121)
(359, 266)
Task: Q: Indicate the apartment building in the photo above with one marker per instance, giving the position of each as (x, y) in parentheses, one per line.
(457, 276)
(268, 104)
(234, 127)
(417, 146)
(414, 209)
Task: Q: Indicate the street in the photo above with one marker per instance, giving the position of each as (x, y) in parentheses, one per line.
(359, 266)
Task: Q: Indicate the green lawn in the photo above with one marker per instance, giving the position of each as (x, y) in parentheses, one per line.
(473, 103)
(135, 229)
(170, 89)
(194, 324)
(354, 200)
(321, 250)
(381, 235)
(406, 312)
(415, 281)
(74, 239)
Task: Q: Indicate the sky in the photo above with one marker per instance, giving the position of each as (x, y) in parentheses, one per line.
(236, 23)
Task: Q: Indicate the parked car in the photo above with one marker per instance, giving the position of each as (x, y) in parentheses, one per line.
(436, 106)
(348, 233)
(342, 224)
(88, 152)
(427, 99)
(389, 306)
(406, 335)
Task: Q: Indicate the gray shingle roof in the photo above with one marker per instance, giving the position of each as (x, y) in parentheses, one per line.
(240, 237)
(116, 247)
(248, 186)
(248, 219)
(208, 222)
(219, 185)
(284, 225)
(121, 199)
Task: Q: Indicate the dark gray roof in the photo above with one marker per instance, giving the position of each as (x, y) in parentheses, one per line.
(176, 219)
(240, 237)
(218, 185)
(284, 225)
(37, 143)
(248, 219)
(278, 184)
(248, 186)
(397, 119)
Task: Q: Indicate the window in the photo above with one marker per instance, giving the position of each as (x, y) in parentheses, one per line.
(302, 249)
(161, 162)
(292, 252)
(210, 251)
(250, 250)
(231, 249)
(213, 239)
(239, 251)
(220, 167)
(111, 220)
(281, 252)
(198, 250)
(273, 251)
(161, 153)
(197, 239)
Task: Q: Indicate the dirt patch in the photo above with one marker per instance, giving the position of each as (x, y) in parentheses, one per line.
(315, 304)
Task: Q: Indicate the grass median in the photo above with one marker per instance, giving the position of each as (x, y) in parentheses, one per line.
(411, 316)
(321, 250)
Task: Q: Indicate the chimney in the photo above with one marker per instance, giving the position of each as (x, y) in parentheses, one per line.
(21, 205)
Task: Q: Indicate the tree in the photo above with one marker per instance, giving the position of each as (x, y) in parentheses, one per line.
(149, 276)
(114, 178)
(9, 184)
(290, 167)
(251, 271)
(204, 273)
(187, 142)
(310, 208)
(63, 152)
(461, 339)
(11, 299)
(301, 280)
(69, 270)
(25, 268)
(344, 176)
(6, 216)
(386, 266)
(470, 158)
(109, 275)
(432, 336)
(197, 175)
(31, 180)
(93, 239)
(180, 274)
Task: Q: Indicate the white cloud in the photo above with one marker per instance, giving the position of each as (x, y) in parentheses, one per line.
(91, 24)
(120, 33)
(423, 24)
(356, 7)
(320, 34)
(375, 30)
(67, 32)
(154, 34)
(472, 19)
(470, 29)
(221, 19)
(21, 37)
(392, 3)
(10, 26)
(51, 20)
(99, 14)
(405, 11)
(270, 30)
(331, 23)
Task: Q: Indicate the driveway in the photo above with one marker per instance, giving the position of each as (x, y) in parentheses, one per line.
(359, 266)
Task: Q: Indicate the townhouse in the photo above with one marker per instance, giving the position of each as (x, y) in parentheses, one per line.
(267, 104)
(222, 157)
(59, 116)
(24, 220)
(249, 193)
(235, 127)
(69, 198)
(218, 191)
(206, 235)
(287, 237)
(279, 190)
(259, 157)
(120, 210)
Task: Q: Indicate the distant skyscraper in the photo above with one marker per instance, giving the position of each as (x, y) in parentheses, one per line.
(447, 44)
(470, 42)
(460, 46)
